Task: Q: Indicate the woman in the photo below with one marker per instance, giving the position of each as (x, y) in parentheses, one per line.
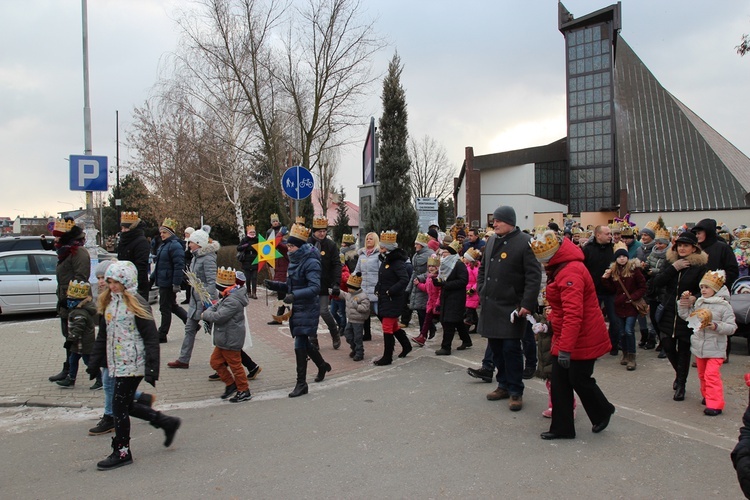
(301, 290)
(391, 292)
(452, 279)
(627, 283)
(246, 254)
(680, 278)
(579, 336)
(368, 264)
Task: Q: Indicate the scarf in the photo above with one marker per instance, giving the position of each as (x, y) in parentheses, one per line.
(446, 266)
(63, 251)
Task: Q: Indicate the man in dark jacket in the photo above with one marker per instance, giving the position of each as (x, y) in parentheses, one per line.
(598, 254)
(330, 277)
(134, 247)
(508, 282)
(720, 255)
(168, 274)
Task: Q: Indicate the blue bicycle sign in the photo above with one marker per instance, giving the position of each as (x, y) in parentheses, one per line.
(297, 183)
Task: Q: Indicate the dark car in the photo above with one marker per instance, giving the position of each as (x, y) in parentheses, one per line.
(15, 243)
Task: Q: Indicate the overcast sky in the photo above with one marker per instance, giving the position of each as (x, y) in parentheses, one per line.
(488, 74)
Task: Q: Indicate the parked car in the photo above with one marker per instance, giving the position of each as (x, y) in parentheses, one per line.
(9, 243)
(27, 281)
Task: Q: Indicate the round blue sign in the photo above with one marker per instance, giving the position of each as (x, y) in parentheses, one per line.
(297, 182)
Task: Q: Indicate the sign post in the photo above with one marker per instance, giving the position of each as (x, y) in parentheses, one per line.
(297, 183)
(88, 173)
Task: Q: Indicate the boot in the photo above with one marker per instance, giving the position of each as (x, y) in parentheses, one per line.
(420, 341)
(168, 424)
(62, 375)
(323, 367)
(624, 358)
(120, 455)
(105, 425)
(336, 338)
(301, 387)
(631, 362)
(389, 342)
(679, 393)
(404, 341)
(67, 382)
(146, 399)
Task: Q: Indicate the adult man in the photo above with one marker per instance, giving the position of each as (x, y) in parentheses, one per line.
(720, 255)
(474, 241)
(508, 283)
(134, 247)
(597, 256)
(168, 273)
(330, 277)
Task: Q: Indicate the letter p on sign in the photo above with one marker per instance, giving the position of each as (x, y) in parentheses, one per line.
(88, 173)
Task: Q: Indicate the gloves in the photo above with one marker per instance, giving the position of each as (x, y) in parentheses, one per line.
(436, 281)
(176, 289)
(539, 328)
(150, 380)
(94, 372)
(336, 291)
(289, 298)
(271, 285)
(563, 359)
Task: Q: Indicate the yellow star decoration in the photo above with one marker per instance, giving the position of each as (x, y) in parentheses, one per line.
(267, 252)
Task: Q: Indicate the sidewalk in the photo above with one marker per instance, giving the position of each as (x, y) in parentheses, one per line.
(32, 351)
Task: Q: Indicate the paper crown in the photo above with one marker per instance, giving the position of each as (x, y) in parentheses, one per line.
(540, 229)
(662, 233)
(714, 279)
(703, 315)
(433, 260)
(472, 254)
(250, 227)
(619, 246)
(455, 245)
(320, 223)
(299, 231)
(388, 237)
(743, 234)
(274, 217)
(423, 239)
(170, 224)
(626, 231)
(355, 280)
(459, 220)
(299, 220)
(652, 225)
(348, 238)
(78, 289)
(129, 218)
(226, 276)
(725, 236)
(576, 230)
(63, 226)
(585, 235)
(545, 245)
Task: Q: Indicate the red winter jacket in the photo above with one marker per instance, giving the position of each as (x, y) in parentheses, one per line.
(577, 320)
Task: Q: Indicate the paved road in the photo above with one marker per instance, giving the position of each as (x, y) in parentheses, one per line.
(421, 428)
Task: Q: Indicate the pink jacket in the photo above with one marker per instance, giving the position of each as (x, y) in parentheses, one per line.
(433, 294)
(472, 300)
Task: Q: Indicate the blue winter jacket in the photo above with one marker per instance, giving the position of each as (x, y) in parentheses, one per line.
(303, 281)
(170, 263)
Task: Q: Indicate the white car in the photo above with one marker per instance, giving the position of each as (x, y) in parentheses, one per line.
(27, 281)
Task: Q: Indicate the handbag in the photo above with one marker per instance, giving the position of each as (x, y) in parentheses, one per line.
(640, 305)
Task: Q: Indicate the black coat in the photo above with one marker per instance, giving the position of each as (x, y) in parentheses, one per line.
(330, 259)
(248, 251)
(597, 258)
(741, 454)
(453, 295)
(392, 281)
(134, 247)
(674, 284)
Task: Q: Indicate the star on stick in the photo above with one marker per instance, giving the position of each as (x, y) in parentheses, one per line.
(267, 252)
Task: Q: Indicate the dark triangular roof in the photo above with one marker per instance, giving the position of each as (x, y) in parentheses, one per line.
(668, 158)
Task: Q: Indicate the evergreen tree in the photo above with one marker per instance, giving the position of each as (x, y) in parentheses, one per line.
(393, 208)
(341, 224)
(445, 213)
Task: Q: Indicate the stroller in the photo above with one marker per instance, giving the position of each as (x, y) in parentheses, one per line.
(740, 300)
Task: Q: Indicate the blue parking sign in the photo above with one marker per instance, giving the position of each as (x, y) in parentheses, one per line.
(88, 173)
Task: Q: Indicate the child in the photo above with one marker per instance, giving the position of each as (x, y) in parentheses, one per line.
(81, 314)
(543, 335)
(471, 259)
(129, 342)
(714, 319)
(426, 284)
(357, 311)
(228, 319)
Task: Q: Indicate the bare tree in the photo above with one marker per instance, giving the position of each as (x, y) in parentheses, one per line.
(744, 46)
(325, 176)
(431, 173)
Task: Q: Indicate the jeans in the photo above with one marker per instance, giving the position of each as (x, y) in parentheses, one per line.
(608, 301)
(191, 328)
(73, 363)
(508, 359)
(167, 306)
(487, 363)
(626, 328)
(353, 334)
(529, 347)
(338, 311)
(109, 391)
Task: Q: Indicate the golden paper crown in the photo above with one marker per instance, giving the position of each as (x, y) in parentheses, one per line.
(433, 260)
(423, 239)
(714, 279)
(585, 235)
(704, 315)
(300, 232)
(78, 289)
(226, 276)
(725, 236)
(170, 224)
(250, 227)
(63, 226)
(652, 225)
(320, 223)
(348, 238)
(744, 233)
(460, 221)
(576, 230)
(299, 220)
(388, 237)
(619, 246)
(616, 227)
(275, 218)
(129, 218)
(539, 229)
(627, 231)
(545, 245)
(472, 253)
(662, 233)
(355, 280)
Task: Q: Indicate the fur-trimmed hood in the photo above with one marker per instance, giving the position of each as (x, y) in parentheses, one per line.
(695, 259)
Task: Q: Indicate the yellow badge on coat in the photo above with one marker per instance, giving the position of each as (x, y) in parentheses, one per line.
(323, 252)
(503, 255)
(387, 266)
